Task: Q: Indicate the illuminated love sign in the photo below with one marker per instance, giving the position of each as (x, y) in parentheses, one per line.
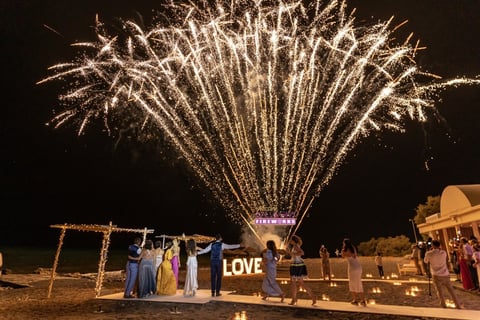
(242, 265)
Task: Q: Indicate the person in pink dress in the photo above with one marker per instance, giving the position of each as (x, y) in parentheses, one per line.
(175, 259)
(465, 257)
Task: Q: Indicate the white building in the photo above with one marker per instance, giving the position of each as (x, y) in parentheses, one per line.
(459, 215)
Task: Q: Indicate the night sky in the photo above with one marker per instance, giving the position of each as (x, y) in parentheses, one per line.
(51, 176)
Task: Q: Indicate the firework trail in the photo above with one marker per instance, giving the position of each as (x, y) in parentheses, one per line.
(263, 99)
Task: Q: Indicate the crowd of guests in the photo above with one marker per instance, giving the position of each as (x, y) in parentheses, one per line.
(465, 258)
(430, 258)
(298, 271)
(154, 269)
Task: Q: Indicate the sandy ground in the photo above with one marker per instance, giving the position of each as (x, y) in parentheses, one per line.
(73, 297)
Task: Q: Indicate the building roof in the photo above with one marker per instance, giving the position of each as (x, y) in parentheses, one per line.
(457, 198)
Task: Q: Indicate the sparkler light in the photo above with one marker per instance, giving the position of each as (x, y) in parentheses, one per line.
(262, 99)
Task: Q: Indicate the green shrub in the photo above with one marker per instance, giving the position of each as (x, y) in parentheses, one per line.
(392, 246)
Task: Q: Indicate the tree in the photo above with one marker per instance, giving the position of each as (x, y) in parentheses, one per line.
(431, 206)
(392, 246)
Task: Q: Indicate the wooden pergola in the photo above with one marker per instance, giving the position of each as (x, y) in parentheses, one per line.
(107, 230)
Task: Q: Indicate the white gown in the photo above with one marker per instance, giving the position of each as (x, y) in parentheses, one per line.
(191, 283)
(354, 275)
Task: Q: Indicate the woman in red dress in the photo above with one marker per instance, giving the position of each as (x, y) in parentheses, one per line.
(463, 262)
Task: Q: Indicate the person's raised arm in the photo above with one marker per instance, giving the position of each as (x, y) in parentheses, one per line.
(206, 250)
(230, 246)
(299, 251)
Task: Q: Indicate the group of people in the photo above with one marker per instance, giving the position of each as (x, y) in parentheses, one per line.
(152, 269)
(155, 269)
(298, 271)
(465, 257)
(435, 259)
(325, 259)
(431, 260)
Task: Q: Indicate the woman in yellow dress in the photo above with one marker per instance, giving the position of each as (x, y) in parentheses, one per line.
(166, 283)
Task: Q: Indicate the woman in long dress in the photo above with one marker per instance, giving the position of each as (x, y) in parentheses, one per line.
(465, 274)
(146, 271)
(270, 286)
(355, 285)
(158, 254)
(298, 270)
(175, 259)
(191, 282)
(166, 284)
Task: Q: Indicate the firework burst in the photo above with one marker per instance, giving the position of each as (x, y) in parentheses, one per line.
(263, 99)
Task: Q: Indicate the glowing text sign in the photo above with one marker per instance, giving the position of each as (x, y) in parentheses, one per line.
(279, 221)
(275, 217)
(242, 265)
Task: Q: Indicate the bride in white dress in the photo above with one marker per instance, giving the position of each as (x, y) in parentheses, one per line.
(191, 283)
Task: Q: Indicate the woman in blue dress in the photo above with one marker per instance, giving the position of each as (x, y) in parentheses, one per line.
(147, 271)
(270, 286)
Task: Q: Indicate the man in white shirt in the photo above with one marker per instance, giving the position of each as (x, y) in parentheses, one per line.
(437, 258)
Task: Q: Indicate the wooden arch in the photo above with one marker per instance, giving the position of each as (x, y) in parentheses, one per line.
(107, 230)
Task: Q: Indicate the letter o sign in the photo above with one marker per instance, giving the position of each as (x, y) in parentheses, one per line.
(237, 266)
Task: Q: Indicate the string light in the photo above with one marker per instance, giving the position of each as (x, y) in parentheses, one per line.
(107, 231)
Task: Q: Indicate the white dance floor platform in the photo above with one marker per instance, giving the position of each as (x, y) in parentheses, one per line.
(204, 296)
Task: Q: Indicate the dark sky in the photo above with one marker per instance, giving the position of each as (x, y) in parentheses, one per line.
(51, 176)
